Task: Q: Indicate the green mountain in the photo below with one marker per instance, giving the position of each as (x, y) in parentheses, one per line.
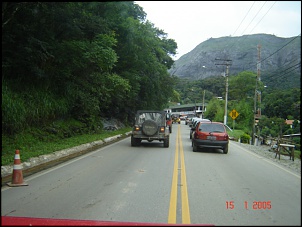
(279, 58)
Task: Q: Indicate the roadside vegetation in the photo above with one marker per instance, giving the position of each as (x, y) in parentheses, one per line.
(36, 141)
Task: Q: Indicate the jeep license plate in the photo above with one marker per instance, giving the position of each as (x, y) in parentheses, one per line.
(211, 137)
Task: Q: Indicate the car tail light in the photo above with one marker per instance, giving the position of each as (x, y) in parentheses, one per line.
(199, 135)
(222, 137)
(136, 128)
(203, 136)
(162, 129)
(226, 137)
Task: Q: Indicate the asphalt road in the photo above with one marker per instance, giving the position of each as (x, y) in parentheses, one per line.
(151, 183)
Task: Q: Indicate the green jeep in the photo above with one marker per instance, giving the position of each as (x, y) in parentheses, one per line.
(150, 125)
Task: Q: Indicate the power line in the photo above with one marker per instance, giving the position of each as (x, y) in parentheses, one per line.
(254, 17)
(279, 49)
(291, 67)
(227, 63)
(252, 21)
(272, 74)
(241, 23)
(282, 75)
(262, 18)
(255, 27)
(244, 18)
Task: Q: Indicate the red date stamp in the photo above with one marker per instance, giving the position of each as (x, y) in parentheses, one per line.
(255, 205)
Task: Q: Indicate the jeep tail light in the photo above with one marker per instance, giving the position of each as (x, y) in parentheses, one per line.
(136, 128)
(162, 129)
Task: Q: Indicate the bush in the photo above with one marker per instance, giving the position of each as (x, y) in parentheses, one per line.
(245, 138)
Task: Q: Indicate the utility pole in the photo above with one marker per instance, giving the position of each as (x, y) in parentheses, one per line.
(259, 79)
(257, 112)
(227, 63)
(204, 92)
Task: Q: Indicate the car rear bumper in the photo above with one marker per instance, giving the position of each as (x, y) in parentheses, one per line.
(210, 143)
(139, 135)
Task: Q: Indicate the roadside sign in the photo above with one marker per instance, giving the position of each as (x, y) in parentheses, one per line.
(234, 114)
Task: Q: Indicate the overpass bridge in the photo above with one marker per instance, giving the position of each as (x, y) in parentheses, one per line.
(196, 109)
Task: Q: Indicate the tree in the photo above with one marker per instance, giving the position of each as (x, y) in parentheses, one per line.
(215, 110)
(281, 103)
(95, 58)
(243, 85)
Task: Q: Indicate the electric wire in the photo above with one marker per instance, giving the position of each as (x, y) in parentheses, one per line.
(244, 18)
(256, 26)
(284, 69)
(284, 73)
(281, 48)
(254, 17)
(262, 18)
(274, 76)
(241, 23)
(249, 23)
(274, 52)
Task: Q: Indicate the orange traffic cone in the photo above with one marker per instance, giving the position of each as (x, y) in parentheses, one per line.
(17, 179)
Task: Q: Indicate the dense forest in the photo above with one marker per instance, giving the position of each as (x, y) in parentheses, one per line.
(83, 60)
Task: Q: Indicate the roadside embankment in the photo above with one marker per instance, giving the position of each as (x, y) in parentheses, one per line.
(36, 164)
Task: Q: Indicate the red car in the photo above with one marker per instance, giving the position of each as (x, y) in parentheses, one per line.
(210, 135)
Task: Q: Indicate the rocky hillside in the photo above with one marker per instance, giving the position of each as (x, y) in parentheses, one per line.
(276, 55)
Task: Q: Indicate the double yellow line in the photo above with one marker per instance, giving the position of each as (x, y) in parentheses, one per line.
(185, 211)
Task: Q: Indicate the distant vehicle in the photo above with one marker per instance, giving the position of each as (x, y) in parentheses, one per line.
(150, 125)
(175, 118)
(183, 117)
(194, 124)
(210, 135)
(169, 121)
(189, 119)
(193, 120)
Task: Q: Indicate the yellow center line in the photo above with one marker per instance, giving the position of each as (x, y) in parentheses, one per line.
(184, 193)
(173, 196)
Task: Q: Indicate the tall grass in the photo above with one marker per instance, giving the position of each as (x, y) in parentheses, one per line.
(35, 142)
(37, 121)
(32, 107)
(13, 110)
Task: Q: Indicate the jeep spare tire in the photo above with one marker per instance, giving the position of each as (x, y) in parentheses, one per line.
(149, 127)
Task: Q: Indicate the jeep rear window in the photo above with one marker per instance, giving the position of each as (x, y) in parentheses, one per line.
(157, 117)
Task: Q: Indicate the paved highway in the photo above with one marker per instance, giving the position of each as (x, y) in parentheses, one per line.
(172, 185)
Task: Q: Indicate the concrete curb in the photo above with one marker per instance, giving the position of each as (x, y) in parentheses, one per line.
(36, 164)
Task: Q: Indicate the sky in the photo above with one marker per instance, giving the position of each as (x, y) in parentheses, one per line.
(190, 23)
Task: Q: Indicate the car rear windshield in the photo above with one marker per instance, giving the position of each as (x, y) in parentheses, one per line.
(211, 128)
